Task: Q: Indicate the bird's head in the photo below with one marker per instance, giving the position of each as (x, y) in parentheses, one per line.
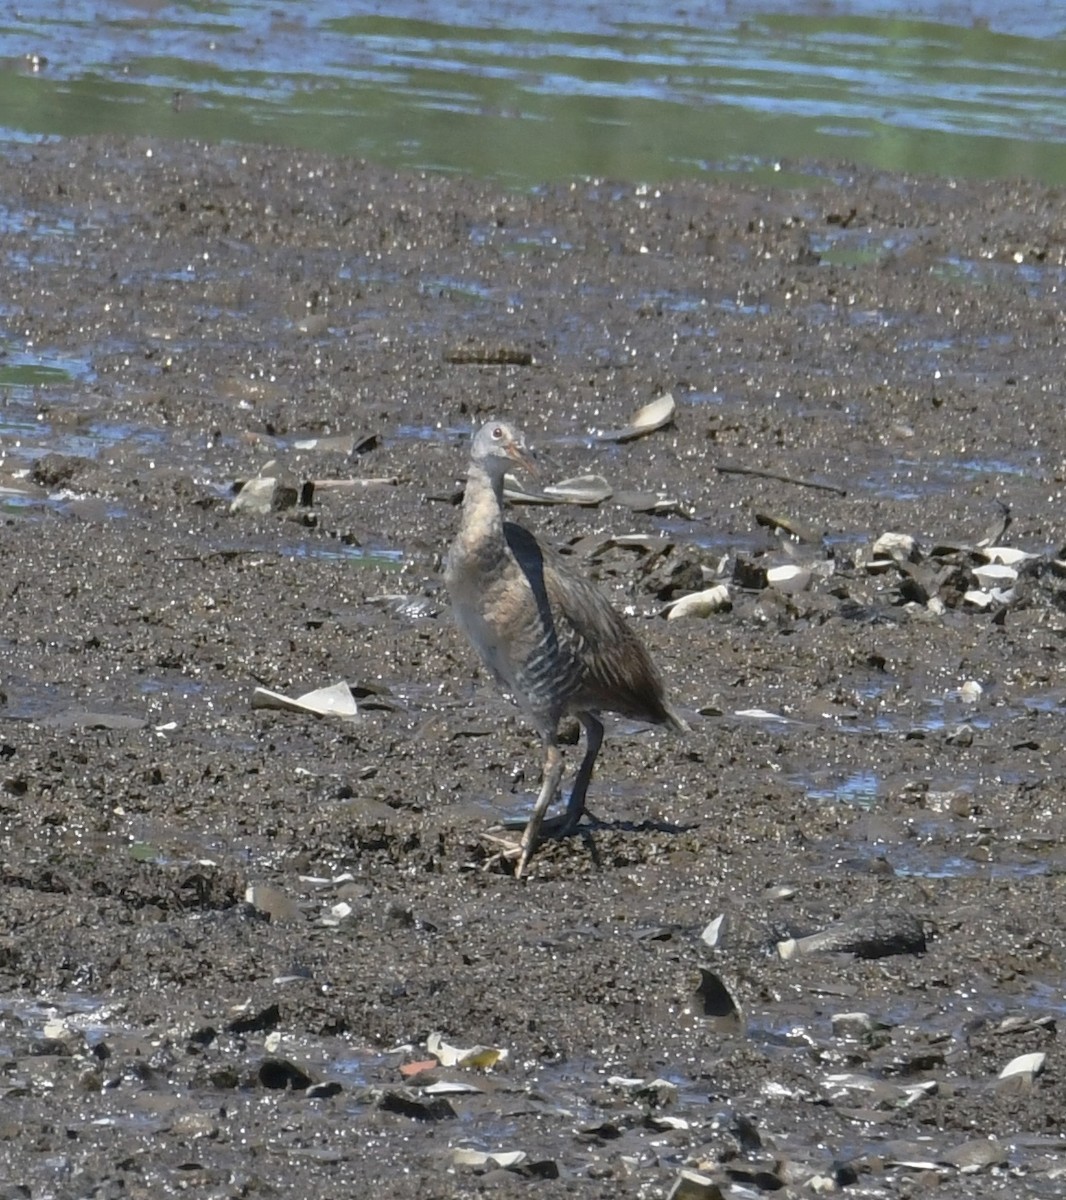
(497, 446)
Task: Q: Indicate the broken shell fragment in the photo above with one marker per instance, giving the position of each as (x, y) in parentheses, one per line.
(645, 420)
(789, 578)
(899, 547)
(336, 700)
(1009, 556)
(587, 490)
(693, 1185)
(995, 575)
(1025, 1067)
(465, 1156)
(517, 494)
(483, 1057)
(699, 604)
(712, 934)
(977, 598)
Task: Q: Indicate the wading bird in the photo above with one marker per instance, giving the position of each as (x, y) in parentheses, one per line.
(549, 636)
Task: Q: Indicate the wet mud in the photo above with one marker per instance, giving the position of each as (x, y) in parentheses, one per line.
(228, 931)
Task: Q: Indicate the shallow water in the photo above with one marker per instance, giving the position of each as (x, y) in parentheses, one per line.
(529, 95)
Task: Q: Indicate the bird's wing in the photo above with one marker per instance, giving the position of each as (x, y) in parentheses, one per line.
(616, 673)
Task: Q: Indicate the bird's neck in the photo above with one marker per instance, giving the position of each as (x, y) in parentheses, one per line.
(482, 523)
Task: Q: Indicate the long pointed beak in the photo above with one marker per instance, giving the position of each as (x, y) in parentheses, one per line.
(519, 453)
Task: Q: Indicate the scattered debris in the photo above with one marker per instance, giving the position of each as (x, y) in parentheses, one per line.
(699, 604)
(1025, 1068)
(333, 701)
(656, 415)
(693, 1185)
(866, 934)
(779, 477)
(481, 1057)
(479, 354)
(585, 490)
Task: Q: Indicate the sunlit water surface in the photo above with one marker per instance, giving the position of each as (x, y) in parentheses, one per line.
(529, 93)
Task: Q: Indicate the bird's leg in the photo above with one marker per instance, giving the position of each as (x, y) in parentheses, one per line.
(553, 773)
(532, 829)
(566, 822)
(575, 806)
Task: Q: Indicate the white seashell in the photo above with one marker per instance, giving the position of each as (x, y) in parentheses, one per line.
(518, 494)
(760, 714)
(645, 420)
(693, 1185)
(699, 604)
(1026, 1065)
(713, 932)
(977, 599)
(1009, 556)
(970, 692)
(336, 700)
(995, 575)
(900, 547)
(663, 1123)
(878, 566)
(466, 1156)
(788, 578)
(583, 489)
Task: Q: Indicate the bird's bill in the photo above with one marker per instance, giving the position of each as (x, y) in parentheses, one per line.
(520, 454)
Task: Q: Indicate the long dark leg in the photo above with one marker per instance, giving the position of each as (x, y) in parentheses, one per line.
(575, 807)
(553, 773)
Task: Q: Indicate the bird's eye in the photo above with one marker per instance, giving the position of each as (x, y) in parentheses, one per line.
(497, 433)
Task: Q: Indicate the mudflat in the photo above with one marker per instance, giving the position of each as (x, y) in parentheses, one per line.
(228, 930)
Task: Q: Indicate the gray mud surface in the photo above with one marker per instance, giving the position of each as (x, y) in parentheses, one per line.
(208, 310)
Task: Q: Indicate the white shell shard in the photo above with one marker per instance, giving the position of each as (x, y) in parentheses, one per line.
(994, 574)
(692, 1185)
(256, 496)
(789, 578)
(588, 490)
(518, 494)
(484, 1057)
(333, 701)
(1009, 556)
(465, 1156)
(1027, 1066)
(645, 420)
(662, 1123)
(713, 932)
(971, 691)
(699, 604)
(899, 547)
(977, 598)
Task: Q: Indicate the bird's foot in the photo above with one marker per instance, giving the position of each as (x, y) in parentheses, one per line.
(521, 851)
(510, 851)
(558, 826)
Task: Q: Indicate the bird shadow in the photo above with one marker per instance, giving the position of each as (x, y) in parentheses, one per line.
(586, 831)
(591, 824)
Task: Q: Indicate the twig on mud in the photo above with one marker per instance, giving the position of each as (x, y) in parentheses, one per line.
(727, 469)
